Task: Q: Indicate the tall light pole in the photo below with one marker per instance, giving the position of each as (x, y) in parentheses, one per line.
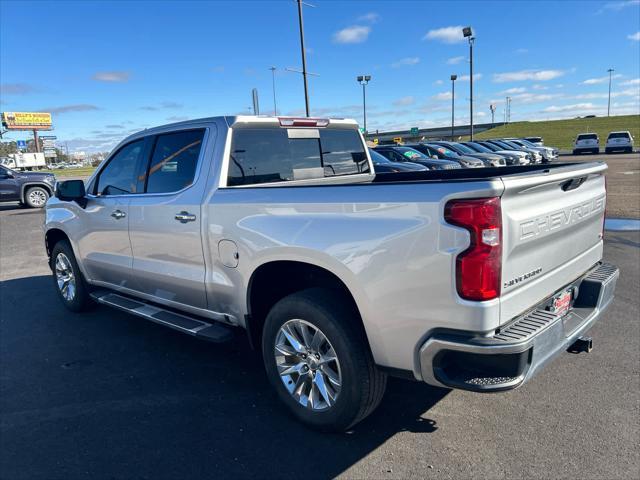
(492, 107)
(364, 80)
(611, 70)
(467, 32)
(453, 102)
(273, 83)
(304, 58)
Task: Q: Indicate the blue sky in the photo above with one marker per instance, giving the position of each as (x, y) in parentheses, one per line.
(105, 69)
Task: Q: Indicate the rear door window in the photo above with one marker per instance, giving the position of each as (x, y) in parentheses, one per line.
(266, 155)
(174, 161)
(588, 136)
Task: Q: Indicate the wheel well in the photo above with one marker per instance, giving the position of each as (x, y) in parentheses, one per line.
(275, 280)
(52, 237)
(30, 185)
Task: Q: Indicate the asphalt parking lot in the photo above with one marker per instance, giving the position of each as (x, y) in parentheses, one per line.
(623, 181)
(108, 395)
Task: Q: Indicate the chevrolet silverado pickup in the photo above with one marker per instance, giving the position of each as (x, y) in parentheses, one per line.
(465, 278)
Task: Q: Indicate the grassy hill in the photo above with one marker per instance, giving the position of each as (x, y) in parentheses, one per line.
(562, 133)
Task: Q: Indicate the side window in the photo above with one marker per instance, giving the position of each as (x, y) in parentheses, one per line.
(119, 176)
(387, 154)
(174, 161)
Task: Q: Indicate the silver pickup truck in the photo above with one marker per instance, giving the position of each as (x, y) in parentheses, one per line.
(468, 278)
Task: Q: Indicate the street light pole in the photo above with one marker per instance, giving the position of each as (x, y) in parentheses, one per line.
(273, 82)
(611, 70)
(364, 80)
(304, 58)
(453, 97)
(467, 32)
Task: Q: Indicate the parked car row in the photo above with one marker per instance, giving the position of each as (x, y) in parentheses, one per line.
(443, 155)
(616, 142)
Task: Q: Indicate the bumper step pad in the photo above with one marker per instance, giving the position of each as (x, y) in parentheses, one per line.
(211, 331)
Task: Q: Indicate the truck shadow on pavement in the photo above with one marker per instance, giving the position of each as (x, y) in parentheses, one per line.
(111, 395)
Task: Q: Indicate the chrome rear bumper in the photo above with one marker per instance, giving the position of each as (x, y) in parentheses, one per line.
(515, 353)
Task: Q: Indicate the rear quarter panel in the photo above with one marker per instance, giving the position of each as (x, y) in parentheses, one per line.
(386, 242)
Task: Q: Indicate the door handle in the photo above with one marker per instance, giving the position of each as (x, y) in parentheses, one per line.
(184, 217)
(118, 214)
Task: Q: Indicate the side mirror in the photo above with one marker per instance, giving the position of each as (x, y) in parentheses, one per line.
(72, 190)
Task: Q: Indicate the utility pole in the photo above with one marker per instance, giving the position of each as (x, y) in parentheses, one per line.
(256, 105)
(273, 81)
(611, 70)
(453, 97)
(304, 58)
(468, 33)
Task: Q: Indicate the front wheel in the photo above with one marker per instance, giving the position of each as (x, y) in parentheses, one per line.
(36, 197)
(70, 284)
(317, 358)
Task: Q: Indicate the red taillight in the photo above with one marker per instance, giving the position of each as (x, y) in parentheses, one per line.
(303, 122)
(478, 268)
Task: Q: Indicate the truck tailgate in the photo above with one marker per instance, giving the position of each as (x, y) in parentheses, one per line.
(552, 232)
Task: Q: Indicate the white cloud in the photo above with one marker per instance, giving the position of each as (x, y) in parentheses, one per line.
(83, 107)
(617, 6)
(111, 76)
(566, 108)
(442, 96)
(529, 98)
(634, 81)
(406, 61)
(511, 91)
(521, 51)
(370, 17)
(446, 34)
(456, 60)
(404, 101)
(353, 34)
(438, 82)
(634, 36)
(537, 86)
(522, 75)
(595, 81)
(465, 78)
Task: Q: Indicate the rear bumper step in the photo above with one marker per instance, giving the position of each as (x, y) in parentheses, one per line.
(514, 354)
(214, 332)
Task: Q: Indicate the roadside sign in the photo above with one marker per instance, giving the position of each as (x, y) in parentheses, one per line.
(21, 143)
(414, 131)
(48, 137)
(50, 153)
(361, 130)
(375, 141)
(26, 121)
(397, 139)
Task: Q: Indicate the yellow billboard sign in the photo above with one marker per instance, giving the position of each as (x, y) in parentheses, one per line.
(26, 120)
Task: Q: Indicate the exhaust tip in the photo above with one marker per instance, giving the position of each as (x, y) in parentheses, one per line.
(582, 344)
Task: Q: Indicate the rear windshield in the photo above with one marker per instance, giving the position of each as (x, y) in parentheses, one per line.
(534, 139)
(588, 136)
(619, 135)
(265, 155)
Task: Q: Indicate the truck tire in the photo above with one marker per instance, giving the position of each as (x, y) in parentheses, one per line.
(36, 197)
(68, 280)
(318, 360)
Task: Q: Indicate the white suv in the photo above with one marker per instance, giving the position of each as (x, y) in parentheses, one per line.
(619, 141)
(586, 142)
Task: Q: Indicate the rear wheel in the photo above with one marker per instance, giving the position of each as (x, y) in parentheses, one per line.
(70, 284)
(317, 358)
(36, 197)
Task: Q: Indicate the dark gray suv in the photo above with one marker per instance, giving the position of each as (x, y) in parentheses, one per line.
(29, 188)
